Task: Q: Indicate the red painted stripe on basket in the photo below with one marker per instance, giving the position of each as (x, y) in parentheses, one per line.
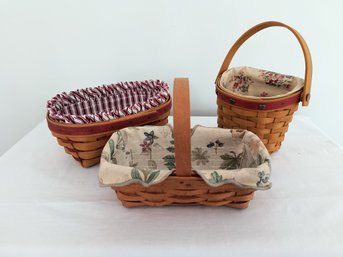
(106, 126)
(259, 105)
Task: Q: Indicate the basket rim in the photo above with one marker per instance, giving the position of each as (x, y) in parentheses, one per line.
(106, 126)
(259, 104)
(193, 177)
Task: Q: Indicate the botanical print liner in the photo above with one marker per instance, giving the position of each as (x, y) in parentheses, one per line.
(220, 156)
(258, 83)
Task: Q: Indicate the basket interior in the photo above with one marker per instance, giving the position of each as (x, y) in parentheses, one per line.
(257, 83)
(107, 102)
(219, 156)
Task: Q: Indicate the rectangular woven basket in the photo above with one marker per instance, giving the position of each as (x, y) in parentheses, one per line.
(86, 141)
(184, 186)
(267, 118)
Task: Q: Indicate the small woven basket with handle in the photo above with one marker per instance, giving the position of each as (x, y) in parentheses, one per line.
(267, 118)
(182, 184)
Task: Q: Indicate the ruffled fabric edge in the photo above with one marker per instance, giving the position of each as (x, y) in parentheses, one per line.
(107, 102)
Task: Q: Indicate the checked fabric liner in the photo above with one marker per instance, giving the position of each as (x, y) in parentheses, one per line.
(107, 102)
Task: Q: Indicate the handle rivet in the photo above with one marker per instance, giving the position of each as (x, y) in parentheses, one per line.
(261, 106)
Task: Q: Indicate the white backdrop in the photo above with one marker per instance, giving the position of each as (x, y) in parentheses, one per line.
(47, 47)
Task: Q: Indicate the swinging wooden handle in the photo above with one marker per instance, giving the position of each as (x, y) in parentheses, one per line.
(305, 97)
(182, 131)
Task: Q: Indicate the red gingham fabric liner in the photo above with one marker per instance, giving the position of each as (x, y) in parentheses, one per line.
(107, 102)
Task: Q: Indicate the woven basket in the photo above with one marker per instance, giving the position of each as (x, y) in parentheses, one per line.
(184, 186)
(267, 118)
(86, 141)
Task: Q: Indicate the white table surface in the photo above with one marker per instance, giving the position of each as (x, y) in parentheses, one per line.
(50, 206)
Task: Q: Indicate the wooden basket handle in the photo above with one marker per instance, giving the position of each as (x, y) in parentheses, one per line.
(305, 97)
(182, 131)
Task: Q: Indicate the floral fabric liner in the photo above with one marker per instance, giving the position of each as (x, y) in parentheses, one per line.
(145, 155)
(107, 102)
(257, 83)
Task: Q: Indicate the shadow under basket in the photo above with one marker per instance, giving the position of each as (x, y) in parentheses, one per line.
(268, 118)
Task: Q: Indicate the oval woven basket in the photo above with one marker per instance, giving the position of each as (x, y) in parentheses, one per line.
(267, 118)
(85, 141)
(159, 166)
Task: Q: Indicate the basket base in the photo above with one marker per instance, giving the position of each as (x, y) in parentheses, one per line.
(184, 191)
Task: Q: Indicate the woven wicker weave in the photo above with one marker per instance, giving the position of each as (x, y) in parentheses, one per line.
(184, 187)
(268, 118)
(86, 141)
(184, 191)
